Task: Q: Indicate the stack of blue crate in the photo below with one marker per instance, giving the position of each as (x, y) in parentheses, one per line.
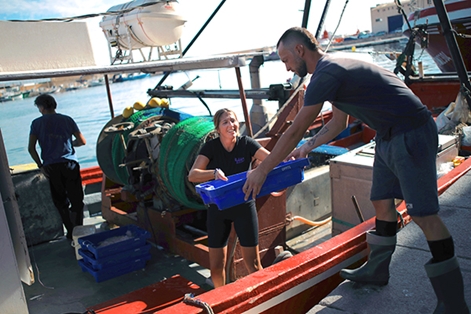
(115, 252)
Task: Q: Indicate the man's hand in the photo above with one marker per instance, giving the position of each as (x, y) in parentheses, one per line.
(297, 153)
(44, 171)
(253, 184)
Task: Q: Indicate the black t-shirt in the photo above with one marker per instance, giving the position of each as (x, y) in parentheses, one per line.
(236, 161)
(367, 92)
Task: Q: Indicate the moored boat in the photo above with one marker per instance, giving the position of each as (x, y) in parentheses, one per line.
(118, 78)
(130, 195)
(459, 12)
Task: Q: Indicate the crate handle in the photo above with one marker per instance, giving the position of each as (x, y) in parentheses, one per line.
(87, 243)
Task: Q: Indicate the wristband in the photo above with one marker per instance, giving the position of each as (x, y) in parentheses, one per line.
(215, 173)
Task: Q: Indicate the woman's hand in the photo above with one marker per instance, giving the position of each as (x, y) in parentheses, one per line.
(219, 174)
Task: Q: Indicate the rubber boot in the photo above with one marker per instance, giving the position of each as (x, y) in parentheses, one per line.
(376, 270)
(447, 282)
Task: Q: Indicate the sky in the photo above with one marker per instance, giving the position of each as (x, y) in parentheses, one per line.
(239, 25)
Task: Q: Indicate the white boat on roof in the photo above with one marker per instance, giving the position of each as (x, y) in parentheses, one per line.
(144, 23)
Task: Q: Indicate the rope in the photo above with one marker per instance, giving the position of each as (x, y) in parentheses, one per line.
(86, 16)
(191, 300)
(338, 24)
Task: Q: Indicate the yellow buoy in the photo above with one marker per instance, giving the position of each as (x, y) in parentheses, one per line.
(155, 102)
(139, 105)
(165, 103)
(354, 48)
(127, 112)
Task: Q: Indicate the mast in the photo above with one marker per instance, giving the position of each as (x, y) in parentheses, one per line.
(307, 8)
(321, 22)
(454, 49)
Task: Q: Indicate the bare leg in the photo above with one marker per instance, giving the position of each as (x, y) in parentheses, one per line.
(217, 261)
(251, 257)
(385, 210)
(433, 227)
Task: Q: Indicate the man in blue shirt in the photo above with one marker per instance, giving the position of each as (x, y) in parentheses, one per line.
(53, 131)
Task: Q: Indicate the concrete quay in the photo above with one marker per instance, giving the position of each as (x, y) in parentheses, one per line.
(409, 289)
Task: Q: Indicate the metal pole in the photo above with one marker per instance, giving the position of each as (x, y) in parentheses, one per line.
(192, 41)
(108, 92)
(321, 22)
(307, 8)
(248, 125)
(454, 50)
(357, 208)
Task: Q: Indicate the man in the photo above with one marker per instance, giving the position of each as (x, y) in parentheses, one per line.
(405, 156)
(59, 163)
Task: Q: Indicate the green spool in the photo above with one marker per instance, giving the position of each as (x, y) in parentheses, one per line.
(178, 151)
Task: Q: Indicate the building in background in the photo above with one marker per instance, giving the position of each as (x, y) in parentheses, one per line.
(387, 18)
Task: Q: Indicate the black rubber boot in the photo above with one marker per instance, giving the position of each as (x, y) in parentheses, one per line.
(376, 270)
(447, 282)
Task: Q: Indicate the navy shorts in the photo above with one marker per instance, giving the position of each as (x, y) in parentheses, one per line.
(405, 168)
(245, 221)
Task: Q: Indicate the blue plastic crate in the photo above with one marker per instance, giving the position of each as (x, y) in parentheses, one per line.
(114, 259)
(114, 241)
(116, 270)
(229, 193)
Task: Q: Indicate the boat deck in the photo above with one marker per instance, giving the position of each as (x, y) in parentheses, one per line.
(62, 287)
(409, 290)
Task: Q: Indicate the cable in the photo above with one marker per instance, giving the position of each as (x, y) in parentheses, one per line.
(190, 299)
(310, 222)
(338, 24)
(86, 16)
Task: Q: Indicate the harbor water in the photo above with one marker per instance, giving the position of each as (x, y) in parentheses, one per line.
(90, 109)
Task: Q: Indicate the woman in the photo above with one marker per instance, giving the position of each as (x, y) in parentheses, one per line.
(226, 155)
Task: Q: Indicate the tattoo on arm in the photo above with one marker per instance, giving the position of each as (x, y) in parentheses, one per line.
(313, 139)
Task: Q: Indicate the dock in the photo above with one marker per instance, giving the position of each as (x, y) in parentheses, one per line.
(409, 289)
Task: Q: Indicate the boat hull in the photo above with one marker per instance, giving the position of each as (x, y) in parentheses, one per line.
(150, 26)
(460, 18)
(297, 284)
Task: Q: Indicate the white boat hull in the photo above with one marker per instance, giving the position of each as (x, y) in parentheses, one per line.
(149, 26)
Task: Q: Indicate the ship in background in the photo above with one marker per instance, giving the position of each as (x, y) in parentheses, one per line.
(426, 19)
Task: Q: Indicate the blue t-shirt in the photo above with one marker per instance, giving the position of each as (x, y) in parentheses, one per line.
(54, 133)
(367, 92)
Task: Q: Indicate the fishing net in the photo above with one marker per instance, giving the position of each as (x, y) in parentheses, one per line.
(178, 151)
